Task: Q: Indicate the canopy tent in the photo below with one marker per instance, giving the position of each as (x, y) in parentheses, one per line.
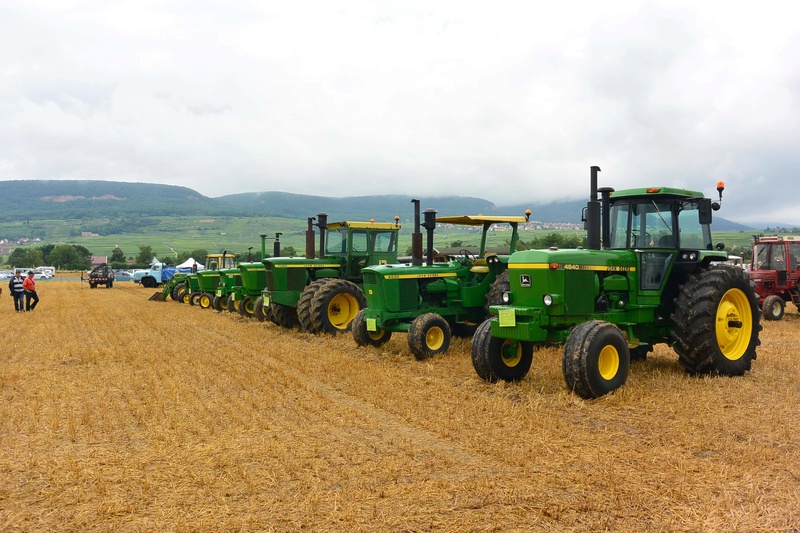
(189, 263)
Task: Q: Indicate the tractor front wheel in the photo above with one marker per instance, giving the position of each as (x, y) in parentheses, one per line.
(495, 359)
(246, 307)
(218, 302)
(596, 359)
(184, 297)
(364, 337)
(231, 305)
(284, 316)
(206, 300)
(335, 304)
(773, 307)
(195, 298)
(500, 285)
(304, 305)
(717, 322)
(428, 335)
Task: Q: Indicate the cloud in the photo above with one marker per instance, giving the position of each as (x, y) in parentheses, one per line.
(511, 101)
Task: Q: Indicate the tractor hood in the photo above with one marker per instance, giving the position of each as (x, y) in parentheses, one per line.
(574, 259)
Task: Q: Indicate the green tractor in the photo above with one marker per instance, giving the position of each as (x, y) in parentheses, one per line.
(245, 296)
(198, 287)
(433, 301)
(322, 294)
(648, 276)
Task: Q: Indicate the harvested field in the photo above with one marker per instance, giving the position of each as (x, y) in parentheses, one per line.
(121, 414)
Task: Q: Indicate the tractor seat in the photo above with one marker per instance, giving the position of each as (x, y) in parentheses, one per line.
(479, 266)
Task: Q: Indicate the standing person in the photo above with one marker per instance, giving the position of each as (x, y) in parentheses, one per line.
(30, 292)
(16, 286)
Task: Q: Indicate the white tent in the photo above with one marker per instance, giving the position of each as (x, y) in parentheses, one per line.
(191, 262)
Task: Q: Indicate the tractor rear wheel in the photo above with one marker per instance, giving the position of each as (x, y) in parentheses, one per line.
(335, 304)
(717, 322)
(500, 285)
(596, 359)
(364, 337)
(205, 300)
(773, 307)
(428, 335)
(194, 299)
(284, 316)
(246, 306)
(304, 305)
(231, 306)
(495, 359)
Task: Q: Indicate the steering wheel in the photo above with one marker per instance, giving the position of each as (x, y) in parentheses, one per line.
(469, 256)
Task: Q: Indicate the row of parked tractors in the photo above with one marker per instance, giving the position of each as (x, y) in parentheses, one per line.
(649, 274)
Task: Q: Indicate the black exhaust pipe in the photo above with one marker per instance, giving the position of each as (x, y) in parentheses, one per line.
(276, 246)
(430, 225)
(416, 237)
(310, 239)
(322, 223)
(593, 214)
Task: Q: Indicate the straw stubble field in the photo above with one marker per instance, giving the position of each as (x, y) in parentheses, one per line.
(121, 414)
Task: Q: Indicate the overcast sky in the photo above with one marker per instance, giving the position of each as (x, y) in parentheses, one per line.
(508, 101)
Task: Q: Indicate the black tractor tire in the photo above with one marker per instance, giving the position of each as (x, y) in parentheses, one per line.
(149, 282)
(716, 322)
(258, 309)
(246, 306)
(335, 304)
(231, 306)
(92, 285)
(176, 291)
(206, 300)
(428, 335)
(596, 359)
(773, 307)
(364, 337)
(284, 316)
(184, 297)
(194, 299)
(499, 359)
(500, 285)
(304, 305)
(218, 302)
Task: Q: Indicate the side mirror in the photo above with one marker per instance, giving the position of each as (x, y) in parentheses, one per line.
(704, 211)
(720, 246)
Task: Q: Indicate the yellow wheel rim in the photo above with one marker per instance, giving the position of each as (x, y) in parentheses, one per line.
(375, 335)
(734, 324)
(608, 362)
(342, 310)
(434, 338)
(511, 352)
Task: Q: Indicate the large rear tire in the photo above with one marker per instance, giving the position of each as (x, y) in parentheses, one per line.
(176, 290)
(773, 307)
(500, 285)
(499, 359)
(284, 316)
(335, 304)
(428, 335)
(596, 359)
(364, 337)
(304, 305)
(717, 322)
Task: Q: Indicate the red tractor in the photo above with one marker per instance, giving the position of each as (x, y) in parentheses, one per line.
(775, 272)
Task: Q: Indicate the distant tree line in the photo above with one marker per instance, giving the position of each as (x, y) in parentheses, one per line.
(63, 257)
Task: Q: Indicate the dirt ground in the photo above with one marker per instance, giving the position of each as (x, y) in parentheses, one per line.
(122, 414)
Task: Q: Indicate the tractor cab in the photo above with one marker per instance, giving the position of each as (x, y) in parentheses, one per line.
(360, 244)
(776, 273)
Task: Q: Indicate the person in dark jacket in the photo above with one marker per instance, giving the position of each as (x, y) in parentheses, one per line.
(30, 292)
(17, 289)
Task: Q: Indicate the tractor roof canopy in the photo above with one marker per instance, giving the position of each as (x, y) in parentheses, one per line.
(333, 226)
(480, 220)
(656, 191)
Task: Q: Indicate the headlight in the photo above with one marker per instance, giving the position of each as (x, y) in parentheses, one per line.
(506, 298)
(548, 300)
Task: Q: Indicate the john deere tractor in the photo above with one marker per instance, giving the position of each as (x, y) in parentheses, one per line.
(322, 293)
(646, 277)
(198, 287)
(433, 301)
